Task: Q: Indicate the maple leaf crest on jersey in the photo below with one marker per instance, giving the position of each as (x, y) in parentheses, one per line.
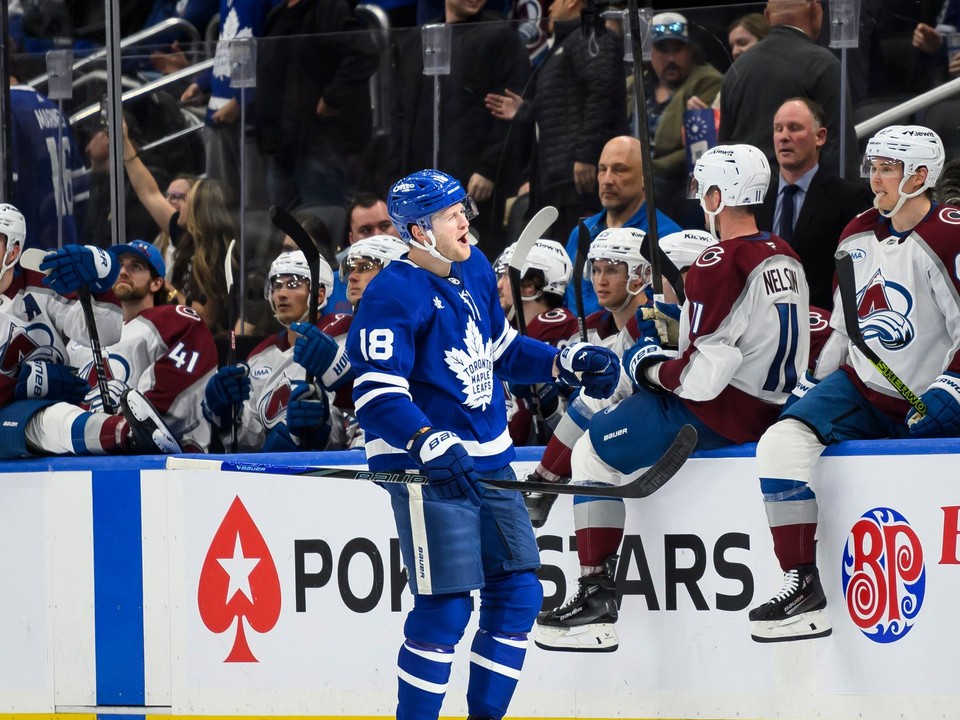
(473, 367)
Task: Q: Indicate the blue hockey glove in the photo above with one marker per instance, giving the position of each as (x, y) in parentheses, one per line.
(321, 356)
(229, 387)
(804, 384)
(40, 379)
(594, 368)
(448, 467)
(644, 354)
(548, 394)
(76, 266)
(308, 416)
(942, 399)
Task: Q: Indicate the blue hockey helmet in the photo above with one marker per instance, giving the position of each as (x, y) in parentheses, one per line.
(415, 198)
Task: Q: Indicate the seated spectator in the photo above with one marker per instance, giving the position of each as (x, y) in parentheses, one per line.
(930, 40)
(200, 234)
(743, 34)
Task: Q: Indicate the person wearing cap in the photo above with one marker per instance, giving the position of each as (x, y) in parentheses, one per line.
(165, 350)
(680, 75)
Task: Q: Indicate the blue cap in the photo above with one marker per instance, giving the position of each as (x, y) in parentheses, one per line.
(147, 251)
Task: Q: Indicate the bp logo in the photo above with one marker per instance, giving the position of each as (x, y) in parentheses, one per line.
(883, 575)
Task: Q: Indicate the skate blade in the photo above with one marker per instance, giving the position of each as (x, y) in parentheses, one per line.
(805, 626)
(599, 637)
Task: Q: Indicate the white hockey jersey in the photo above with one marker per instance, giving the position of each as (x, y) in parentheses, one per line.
(168, 354)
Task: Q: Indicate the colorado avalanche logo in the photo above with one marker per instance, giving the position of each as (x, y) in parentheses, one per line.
(883, 307)
(473, 367)
(883, 575)
(272, 407)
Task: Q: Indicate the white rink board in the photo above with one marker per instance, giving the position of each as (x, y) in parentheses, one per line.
(675, 661)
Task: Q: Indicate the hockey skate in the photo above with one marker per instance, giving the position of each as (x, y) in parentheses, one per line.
(585, 622)
(797, 612)
(149, 434)
(539, 503)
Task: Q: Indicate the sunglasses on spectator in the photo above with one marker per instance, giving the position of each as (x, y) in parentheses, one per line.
(674, 28)
(176, 196)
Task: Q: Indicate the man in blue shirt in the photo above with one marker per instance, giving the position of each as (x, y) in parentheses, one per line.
(620, 181)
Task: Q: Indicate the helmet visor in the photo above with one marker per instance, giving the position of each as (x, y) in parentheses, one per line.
(360, 264)
(880, 166)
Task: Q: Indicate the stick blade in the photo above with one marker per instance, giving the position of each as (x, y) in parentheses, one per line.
(31, 258)
(534, 230)
(652, 480)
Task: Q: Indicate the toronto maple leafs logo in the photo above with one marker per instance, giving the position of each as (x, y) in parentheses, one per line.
(231, 31)
(473, 367)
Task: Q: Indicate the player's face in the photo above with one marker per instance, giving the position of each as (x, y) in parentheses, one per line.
(362, 271)
(504, 292)
(609, 279)
(290, 295)
(134, 282)
(450, 227)
(885, 177)
(740, 40)
(619, 175)
(671, 60)
(797, 137)
(366, 222)
(462, 9)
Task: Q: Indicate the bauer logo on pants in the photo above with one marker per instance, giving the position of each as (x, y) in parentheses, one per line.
(239, 581)
(883, 575)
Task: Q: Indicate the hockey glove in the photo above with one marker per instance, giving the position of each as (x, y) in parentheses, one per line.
(321, 356)
(40, 379)
(448, 467)
(115, 388)
(594, 368)
(660, 323)
(942, 399)
(539, 503)
(640, 358)
(76, 266)
(803, 385)
(308, 416)
(229, 387)
(547, 393)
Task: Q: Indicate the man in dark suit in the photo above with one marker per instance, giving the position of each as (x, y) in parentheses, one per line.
(808, 205)
(786, 63)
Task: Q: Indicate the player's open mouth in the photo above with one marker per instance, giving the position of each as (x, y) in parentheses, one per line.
(464, 239)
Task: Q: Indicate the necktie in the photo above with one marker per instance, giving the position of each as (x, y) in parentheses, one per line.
(786, 213)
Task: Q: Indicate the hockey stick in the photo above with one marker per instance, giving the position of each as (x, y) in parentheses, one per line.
(30, 260)
(648, 483)
(583, 248)
(851, 319)
(232, 349)
(537, 226)
(288, 225)
(670, 271)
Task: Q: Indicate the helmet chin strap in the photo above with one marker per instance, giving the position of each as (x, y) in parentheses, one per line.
(903, 197)
(430, 248)
(7, 265)
(711, 216)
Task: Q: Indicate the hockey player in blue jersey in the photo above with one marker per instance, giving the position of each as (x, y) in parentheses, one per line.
(428, 345)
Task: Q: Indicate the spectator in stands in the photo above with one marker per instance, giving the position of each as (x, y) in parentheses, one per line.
(620, 180)
(138, 223)
(680, 75)
(196, 12)
(367, 216)
(46, 165)
(787, 63)
(486, 56)
(176, 195)
(947, 189)
(222, 134)
(576, 103)
(807, 204)
(929, 40)
(743, 34)
(313, 99)
(200, 234)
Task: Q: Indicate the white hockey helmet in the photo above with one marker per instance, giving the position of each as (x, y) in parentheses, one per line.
(913, 145)
(684, 247)
(14, 227)
(621, 245)
(740, 172)
(294, 262)
(379, 248)
(547, 256)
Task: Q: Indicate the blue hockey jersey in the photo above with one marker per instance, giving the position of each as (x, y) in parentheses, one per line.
(425, 350)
